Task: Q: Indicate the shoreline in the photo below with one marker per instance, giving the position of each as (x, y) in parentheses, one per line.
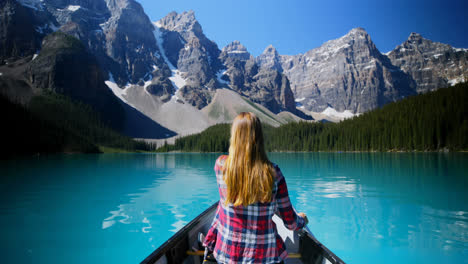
(121, 151)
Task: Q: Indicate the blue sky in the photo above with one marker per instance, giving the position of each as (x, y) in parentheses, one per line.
(296, 26)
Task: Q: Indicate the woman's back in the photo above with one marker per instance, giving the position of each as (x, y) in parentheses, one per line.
(251, 191)
(247, 234)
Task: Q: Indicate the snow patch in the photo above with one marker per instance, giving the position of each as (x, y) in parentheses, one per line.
(300, 99)
(460, 49)
(34, 56)
(33, 4)
(437, 55)
(220, 74)
(332, 112)
(237, 51)
(454, 81)
(371, 64)
(119, 92)
(177, 80)
(73, 8)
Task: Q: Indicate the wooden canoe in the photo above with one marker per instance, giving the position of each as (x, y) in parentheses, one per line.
(183, 247)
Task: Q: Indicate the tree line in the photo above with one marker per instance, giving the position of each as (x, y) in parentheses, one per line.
(433, 121)
(53, 123)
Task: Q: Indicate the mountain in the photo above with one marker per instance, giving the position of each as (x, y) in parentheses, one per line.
(21, 30)
(190, 55)
(185, 94)
(433, 121)
(165, 78)
(431, 64)
(267, 87)
(348, 73)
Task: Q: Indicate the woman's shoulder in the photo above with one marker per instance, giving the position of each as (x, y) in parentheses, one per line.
(220, 162)
(222, 159)
(278, 173)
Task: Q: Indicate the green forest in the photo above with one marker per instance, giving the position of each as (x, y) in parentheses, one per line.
(53, 123)
(433, 121)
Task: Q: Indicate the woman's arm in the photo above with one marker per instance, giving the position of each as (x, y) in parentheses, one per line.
(285, 209)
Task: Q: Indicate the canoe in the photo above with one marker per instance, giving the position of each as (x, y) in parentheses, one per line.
(184, 246)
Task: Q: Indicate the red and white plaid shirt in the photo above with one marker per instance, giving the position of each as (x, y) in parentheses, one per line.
(241, 234)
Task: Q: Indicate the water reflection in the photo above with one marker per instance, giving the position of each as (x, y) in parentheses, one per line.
(382, 201)
(183, 185)
(336, 189)
(366, 207)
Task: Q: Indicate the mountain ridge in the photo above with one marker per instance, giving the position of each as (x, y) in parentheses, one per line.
(170, 64)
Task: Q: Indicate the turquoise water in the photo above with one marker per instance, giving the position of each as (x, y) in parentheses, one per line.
(367, 208)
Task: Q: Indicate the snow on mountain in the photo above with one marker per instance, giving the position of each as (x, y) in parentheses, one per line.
(177, 80)
(73, 8)
(219, 76)
(34, 4)
(431, 64)
(348, 73)
(119, 92)
(342, 115)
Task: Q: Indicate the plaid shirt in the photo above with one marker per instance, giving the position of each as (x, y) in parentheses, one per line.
(241, 234)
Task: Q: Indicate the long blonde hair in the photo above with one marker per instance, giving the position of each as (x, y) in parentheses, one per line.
(247, 171)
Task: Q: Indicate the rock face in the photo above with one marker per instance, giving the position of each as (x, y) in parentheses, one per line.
(21, 29)
(117, 32)
(195, 57)
(348, 73)
(170, 71)
(432, 65)
(199, 62)
(66, 67)
(266, 86)
(270, 59)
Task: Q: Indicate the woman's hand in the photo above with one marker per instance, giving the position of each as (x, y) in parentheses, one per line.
(305, 217)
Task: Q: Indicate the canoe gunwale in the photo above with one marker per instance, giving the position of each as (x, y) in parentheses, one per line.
(178, 239)
(175, 239)
(328, 254)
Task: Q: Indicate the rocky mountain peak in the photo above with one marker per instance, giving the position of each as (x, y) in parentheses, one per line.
(348, 73)
(188, 49)
(270, 59)
(414, 36)
(184, 22)
(357, 31)
(270, 50)
(426, 61)
(234, 46)
(356, 43)
(416, 39)
(236, 50)
(357, 34)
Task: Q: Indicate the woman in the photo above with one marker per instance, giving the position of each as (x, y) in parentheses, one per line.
(251, 190)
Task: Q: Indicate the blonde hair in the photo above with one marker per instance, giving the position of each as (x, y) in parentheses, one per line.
(247, 171)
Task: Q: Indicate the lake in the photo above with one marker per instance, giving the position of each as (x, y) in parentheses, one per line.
(117, 208)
